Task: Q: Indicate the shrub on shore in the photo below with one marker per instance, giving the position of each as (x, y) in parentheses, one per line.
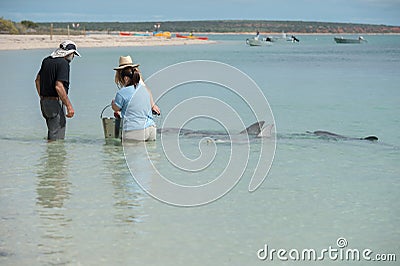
(7, 26)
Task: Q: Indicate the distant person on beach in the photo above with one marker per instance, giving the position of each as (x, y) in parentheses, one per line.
(135, 102)
(52, 84)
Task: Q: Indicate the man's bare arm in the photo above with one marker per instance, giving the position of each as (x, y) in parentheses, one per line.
(64, 98)
(37, 83)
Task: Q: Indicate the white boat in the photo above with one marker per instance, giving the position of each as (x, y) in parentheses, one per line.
(293, 39)
(347, 40)
(258, 42)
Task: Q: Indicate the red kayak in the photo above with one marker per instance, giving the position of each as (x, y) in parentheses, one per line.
(123, 33)
(191, 37)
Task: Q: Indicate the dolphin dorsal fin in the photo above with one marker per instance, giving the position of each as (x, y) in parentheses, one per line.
(254, 129)
(266, 132)
(371, 138)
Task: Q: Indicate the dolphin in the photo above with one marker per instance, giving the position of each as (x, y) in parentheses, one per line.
(266, 132)
(327, 134)
(255, 129)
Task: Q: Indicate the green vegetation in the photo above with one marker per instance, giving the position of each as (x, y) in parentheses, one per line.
(29, 24)
(10, 27)
(222, 26)
(219, 26)
(7, 26)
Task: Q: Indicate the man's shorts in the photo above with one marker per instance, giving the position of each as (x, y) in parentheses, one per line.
(53, 112)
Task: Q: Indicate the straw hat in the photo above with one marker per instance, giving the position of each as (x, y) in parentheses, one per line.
(125, 61)
(66, 48)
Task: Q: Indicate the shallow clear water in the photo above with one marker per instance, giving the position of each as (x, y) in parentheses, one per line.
(75, 202)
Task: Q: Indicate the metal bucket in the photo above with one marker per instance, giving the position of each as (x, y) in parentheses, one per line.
(112, 126)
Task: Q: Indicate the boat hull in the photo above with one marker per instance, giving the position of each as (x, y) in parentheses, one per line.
(124, 33)
(165, 34)
(343, 40)
(256, 42)
(191, 37)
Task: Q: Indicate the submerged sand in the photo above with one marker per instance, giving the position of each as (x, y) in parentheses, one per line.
(24, 42)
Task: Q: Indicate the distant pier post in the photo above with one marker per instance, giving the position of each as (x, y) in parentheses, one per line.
(51, 31)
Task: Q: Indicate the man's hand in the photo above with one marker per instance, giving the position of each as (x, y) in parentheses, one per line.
(70, 112)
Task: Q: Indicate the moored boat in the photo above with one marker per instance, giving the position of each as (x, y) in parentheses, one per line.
(125, 33)
(165, 34)
(348, 40)
(191, 37)
(258, 42)
(293, 39)
(141, 34)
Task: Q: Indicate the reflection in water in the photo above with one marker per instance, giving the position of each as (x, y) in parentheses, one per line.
(53, 187)
(127, 194)
(142, 159)
(52, 192)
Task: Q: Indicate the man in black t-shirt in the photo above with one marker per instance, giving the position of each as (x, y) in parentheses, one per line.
(52, 84)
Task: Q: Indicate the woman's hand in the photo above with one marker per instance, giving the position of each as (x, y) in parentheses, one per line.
(156, 109)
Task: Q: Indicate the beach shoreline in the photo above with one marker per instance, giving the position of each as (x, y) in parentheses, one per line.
(92, 40)
(28, 42)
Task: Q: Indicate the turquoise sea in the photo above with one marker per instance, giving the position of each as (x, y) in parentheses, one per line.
(76, 203)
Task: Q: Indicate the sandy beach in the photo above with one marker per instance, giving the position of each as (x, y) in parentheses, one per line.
(24, 42)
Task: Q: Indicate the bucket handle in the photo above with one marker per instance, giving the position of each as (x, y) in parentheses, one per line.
(101, 114)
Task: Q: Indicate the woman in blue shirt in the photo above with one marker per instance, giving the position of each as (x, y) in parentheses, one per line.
(135, 102)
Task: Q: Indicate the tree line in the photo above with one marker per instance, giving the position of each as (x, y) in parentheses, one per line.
(219, 26)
